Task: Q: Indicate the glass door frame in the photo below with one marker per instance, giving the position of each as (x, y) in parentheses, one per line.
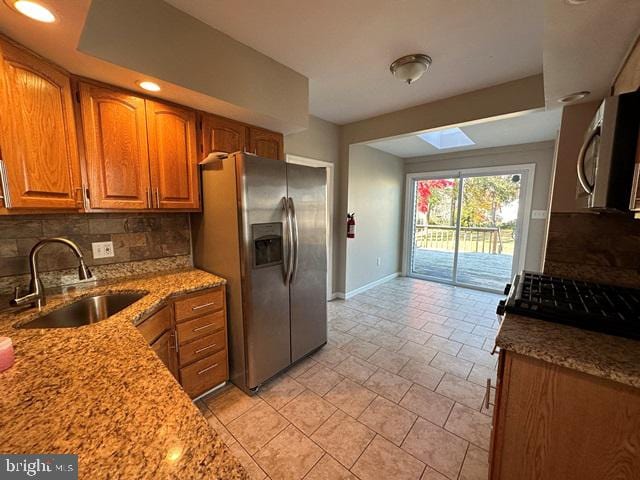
(527, 172)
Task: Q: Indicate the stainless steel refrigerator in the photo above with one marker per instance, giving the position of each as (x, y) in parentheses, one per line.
(263, 228)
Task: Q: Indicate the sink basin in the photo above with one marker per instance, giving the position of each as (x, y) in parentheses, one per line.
(85, 311)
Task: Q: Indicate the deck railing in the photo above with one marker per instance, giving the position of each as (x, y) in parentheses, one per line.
(472, 239)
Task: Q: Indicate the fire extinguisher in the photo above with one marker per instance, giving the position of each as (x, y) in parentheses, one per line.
(351, 225)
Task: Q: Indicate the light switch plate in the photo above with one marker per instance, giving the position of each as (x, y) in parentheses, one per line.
(538, 214)
(102, 249)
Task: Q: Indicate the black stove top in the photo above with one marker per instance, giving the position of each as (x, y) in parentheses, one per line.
(592, 306)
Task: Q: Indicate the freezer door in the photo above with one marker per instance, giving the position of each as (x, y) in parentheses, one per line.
(307, 192)
(264, 253)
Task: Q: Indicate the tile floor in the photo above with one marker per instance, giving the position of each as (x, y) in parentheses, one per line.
(398, 392)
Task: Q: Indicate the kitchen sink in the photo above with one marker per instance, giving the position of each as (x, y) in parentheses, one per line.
(85, 311)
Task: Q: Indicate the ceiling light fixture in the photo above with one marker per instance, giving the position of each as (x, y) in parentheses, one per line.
(410, 67)
(573, 97)
(34, 10)
(576, 2)
(149, 86)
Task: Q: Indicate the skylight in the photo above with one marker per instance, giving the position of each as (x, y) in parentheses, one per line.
(449, 138)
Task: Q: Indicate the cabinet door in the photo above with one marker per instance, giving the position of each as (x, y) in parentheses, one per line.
(173, 156)
(165, 349)
(266, 144)
(37, 133)
(117, 159)
(222, 135)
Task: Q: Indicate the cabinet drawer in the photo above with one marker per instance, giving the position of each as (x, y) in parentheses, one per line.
(202, 347)
(200, 304)
(204, 374)
(199, 327)
(155, 325)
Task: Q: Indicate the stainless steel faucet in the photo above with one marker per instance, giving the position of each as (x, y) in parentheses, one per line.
(36, 296)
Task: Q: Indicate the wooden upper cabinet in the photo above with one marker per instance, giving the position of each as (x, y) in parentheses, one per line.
(116, 154)
(222, 135)
(37, 133)
(266, 144)
(173, 156)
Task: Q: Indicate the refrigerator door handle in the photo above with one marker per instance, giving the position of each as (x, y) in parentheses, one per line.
(294, 263)
(288, 244)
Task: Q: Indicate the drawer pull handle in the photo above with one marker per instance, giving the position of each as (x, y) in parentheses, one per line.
(207, 369)
(205, 348)
(203, 327)
(204, 305)
(488, 394)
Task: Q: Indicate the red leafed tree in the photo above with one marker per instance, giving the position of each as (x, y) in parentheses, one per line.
(425, 189)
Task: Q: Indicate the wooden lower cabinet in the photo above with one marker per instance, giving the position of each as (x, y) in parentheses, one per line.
(191, 340)
(551, 422)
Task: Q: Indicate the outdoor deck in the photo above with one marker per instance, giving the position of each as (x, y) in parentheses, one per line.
(481, 269)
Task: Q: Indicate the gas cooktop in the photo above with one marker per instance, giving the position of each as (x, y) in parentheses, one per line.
(592, 306)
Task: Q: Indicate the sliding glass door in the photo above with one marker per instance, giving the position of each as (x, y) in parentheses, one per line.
(465, 228)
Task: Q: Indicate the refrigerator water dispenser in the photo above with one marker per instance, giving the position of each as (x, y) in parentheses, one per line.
(267, 244)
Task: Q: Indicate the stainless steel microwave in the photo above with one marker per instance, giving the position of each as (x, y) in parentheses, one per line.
(607, 157)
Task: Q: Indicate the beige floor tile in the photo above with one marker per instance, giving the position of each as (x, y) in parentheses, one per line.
(220, 429)
(338, 339)
(329, 355)
(431, 474)
(360, 348)
(430, 405)
(253, 469)
(476, 464)
(470, 425)
(444, 345)
(451, 364)
(350, 397)
(302, 366)
(308, 411)
(418, 352)
(365, 332)
(467, 338)
(437, 329)
(388, 385)
(382, 459)
(453, 313)
(256, 427)
(280, 391)
(390, 361)
(462, 391)
(343, 438)
(320, 379)
(460, 325)
(388, 326)
(289, 456)
(342, 324)
(390, 342)
(355, 369)
(477, 355)
(329, 469)
(230, 404)
(388, 419)
(436, 447)
(480, 373)
(413, 334)
(422, 374)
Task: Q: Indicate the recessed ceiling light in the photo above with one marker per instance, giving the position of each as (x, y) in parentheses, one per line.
(576, 2)
(150, 86)
(34, 10)
(574, 97)
(410, 67)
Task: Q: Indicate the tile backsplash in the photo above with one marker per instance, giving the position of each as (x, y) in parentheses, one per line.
(138, 239)
(594, 247)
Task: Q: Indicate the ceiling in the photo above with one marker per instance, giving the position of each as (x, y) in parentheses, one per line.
(515, 130)
(584, 45)
(345, 47)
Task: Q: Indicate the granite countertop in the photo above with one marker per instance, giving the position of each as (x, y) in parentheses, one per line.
(606, 356)
(99, 391)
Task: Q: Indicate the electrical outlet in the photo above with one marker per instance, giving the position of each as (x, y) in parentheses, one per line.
(538, 214)
(102, 249)
(378, 261)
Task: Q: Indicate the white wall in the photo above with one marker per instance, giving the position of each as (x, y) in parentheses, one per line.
(540, 154)
(376, 193)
